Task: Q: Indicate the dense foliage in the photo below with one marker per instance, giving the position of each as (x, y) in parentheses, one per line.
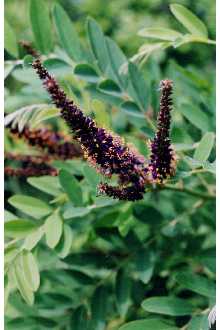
(75, 259)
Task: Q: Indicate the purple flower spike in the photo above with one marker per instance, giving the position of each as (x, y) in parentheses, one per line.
(162, 157)
(105, 151)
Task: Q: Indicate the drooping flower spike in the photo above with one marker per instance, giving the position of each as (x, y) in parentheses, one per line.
(105, 151)
(55, 144)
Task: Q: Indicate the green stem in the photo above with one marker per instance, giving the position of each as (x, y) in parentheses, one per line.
(189, 192)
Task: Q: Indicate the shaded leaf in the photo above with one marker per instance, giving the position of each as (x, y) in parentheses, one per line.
(108, 86)
(122, 291)
(147, 324)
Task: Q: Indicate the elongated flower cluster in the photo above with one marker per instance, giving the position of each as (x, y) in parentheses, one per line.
(162, 159)
(55, 144)
(30, 166)
(103, 149)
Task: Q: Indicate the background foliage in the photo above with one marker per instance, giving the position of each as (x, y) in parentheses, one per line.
(74, 260)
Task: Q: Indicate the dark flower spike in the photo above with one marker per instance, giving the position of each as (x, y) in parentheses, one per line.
(162, 159)
(104, 150)
(30, 171)
(30, 50)
(55, 144)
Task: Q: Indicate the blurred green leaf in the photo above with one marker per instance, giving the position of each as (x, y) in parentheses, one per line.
(71, 187)
(198, 322)
(97, 43)
(144, 265)
(99, 308)
(122, 292)
(197, 117)
(159, 33)
(108, 86)
(132, 109)
(41, 25)
(147, 324)
(67, 34)
(139, 86)
(19, 228)
(167, 305)
(21, 284)
(53, 229)
(32, 239)
(47, 184)
(86, 72)
(31, 272)
(30, 205)
(102, 116)
(205, 146)
(74, 212)
(79, 319)
(190, 21)
(10, 42)
(64, 246)
(196, 283)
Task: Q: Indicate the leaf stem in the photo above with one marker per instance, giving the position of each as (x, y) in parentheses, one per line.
(189, 191)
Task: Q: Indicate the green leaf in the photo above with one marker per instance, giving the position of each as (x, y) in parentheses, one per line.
(86, 72)
(8, 68)
(197, 117)
(144, 265)
(196, 283)
(122, 291)
(99, 308)
(71, 187)
(132, 109)
(97, 43)
(47, 184)
(117, 59)
(167, 305)
(138, 86)
(30, 205)
(21, 284)
(27, 61)
(108, 86)
(75, 212)
(32, 239)
(64, 246)
(160, 33)
(19, 228)
(44, 114)
(41, 25)
(199, 322)
(205, 146)
(53, 229)
(10, 42)
(91, 176)
(102, 116)
(147, 324)
(67, 34)
(191, 22)
(31, 272)
(79, 319)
